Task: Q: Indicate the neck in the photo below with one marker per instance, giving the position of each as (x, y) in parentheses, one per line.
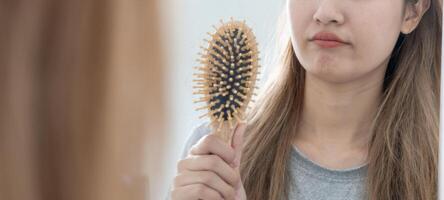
(339, 114)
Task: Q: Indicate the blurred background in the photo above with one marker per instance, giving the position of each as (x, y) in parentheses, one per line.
(81, 99)
(96, 96)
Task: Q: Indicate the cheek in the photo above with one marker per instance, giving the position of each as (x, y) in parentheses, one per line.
(375, 40)
(300, 17)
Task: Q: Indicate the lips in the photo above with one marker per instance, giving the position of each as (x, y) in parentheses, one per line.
(328, 40)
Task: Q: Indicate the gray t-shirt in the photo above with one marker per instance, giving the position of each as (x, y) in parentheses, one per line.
(310, 181)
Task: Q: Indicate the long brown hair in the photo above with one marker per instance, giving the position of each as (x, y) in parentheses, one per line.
(403, 149)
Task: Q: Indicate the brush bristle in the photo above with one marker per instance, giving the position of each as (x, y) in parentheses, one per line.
(228, 72)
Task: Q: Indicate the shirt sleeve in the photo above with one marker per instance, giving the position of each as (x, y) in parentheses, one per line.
(198, 133)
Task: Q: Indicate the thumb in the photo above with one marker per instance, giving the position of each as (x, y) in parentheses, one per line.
(237, 142)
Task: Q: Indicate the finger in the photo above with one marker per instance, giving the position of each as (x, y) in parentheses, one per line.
(238, 142)
(195, 191)
(209, 163)
(211, 144)
(207, 178)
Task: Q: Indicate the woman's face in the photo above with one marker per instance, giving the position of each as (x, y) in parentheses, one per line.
(369, 29)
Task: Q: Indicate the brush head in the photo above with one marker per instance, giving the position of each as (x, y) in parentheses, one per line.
(228, 73)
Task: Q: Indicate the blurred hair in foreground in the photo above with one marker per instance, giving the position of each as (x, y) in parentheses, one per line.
(78, 99)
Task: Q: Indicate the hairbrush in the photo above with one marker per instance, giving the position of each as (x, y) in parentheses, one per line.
(227, 75)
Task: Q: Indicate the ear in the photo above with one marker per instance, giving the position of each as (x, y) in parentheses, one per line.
(413, 14)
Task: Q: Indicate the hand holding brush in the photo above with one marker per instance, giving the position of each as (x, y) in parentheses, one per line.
(226, 81)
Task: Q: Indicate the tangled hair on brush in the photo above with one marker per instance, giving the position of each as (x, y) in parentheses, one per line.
(403, 148)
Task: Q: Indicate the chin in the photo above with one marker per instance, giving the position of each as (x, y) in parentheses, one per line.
(331, 74)
(330, 69)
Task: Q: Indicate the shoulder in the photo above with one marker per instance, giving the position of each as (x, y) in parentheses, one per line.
(197, 133)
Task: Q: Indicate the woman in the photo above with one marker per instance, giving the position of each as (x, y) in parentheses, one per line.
(352, 112)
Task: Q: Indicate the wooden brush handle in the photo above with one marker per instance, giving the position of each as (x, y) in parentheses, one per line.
(225, 132)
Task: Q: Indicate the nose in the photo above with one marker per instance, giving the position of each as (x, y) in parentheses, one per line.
(328, 12)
